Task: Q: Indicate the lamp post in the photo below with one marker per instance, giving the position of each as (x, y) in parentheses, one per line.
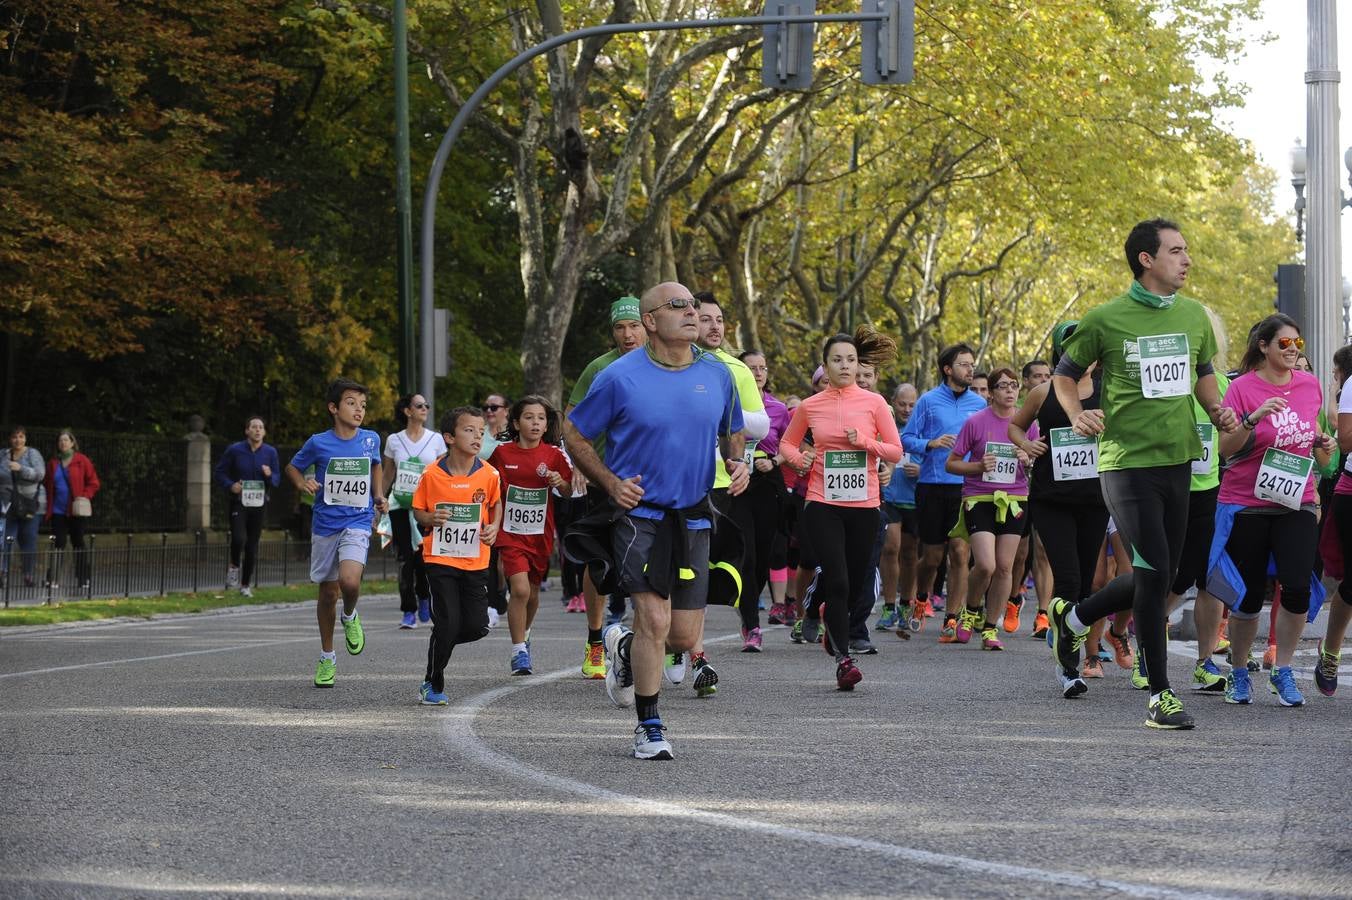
(1323, 274)
(1298, 182)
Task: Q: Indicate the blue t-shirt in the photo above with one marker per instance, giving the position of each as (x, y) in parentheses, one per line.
(61, 488)
(318, 450)
(900, 491)
(659, 424)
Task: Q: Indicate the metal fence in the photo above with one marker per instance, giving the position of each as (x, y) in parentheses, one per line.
(124, 566)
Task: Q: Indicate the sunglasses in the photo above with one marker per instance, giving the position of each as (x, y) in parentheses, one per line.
(493, 407)
(1286, 343)
(677, 303)
(419, 406)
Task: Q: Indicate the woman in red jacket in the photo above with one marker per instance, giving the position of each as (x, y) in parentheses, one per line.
(71, 483)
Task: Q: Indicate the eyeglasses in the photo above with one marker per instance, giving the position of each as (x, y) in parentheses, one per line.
(677, 303)
(419, 406)
(1286, 343)
(494, 407)
(1006, 385)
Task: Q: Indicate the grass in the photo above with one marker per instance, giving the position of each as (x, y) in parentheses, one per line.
(145, 607)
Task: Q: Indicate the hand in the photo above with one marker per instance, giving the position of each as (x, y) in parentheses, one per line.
(809, 457)
(988, 462)
(237, 488)
(488, 534)
(579, 482)
(1023, 457)
(852, 435)
(885, 475)
(555, 480)
(13, 466)
(740, 477)
(440, 516)
(1325, 442)
(1088, 423)
(1034, 449)
(382, 505)
(267, 471)
(946, 441)
(310, 486)
(1269, 406)
(627, 493)
(911, 469)
(763, 464)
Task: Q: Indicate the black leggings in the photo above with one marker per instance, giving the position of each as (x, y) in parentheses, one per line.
(1150, 507)
(74, 526)
(412, 569)
(246, 527)
(459, 616)
(1342, 515)
(566, 511)
(1290, 538)
(842, 539)
(739, 510)
(764, 499)
(1072, 535)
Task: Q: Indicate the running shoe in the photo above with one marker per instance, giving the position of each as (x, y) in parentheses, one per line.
(353, 634)
(776, 616)
(863, 647)
(889, 618)
(990, 639)
(1167, 713)
(410, 620)
(1104, 654)
(1326, 670)
(1222, 638)
(1064, 642)
(246, 591)
(847, 674)
(706, 679)
(948, 634)
(594, 661)
(751, 640)
(619, 677)
(1238, 686)
(812, 630)
(796, 632)
(968, 624)
(1072, 685)
(1282, 682)
(650, 742)
(1011, 623)
(520, 662)
(920, 611)
(1206, 676)
(424, 609)
(937, 603)
(1040, 625)
(324, 672)
(493, 617)
(1139, 680)
(429, 697)
(232, 577)
(673, 668)
(1092, 668)
(1269, 657)
(575, 604)
(1120, 645)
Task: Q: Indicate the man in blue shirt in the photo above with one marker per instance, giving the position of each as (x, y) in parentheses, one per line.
(661, 410)
(933, 429)
(347, 458)
(898, 508)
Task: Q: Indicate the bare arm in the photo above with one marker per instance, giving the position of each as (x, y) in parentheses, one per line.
(626, 493)
(1024, 417)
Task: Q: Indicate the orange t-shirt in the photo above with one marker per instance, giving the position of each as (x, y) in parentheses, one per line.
(462, 492)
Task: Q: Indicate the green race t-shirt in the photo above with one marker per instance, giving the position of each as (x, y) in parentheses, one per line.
(1211, 448)
(584, 383)
(752, 401)
(1139, 431)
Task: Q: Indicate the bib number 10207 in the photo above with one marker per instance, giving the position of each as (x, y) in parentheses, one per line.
(1165, 360)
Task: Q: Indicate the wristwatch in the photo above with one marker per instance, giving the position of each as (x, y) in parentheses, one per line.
(1248, 424)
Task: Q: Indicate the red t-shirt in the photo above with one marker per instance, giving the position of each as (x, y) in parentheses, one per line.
(522, 469)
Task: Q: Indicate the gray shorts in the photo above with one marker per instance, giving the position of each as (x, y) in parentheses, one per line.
(326, 551)
(632, 541)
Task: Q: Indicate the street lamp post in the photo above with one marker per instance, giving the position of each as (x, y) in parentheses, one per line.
(1323, 283)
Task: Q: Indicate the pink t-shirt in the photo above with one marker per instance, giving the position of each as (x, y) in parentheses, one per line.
(980, 428)
(1293, 430)
(1344, 483)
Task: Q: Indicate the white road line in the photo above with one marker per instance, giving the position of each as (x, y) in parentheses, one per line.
(138, 659)
(460, 734)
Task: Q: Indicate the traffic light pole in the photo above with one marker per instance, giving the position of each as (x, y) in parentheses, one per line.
(773, 24)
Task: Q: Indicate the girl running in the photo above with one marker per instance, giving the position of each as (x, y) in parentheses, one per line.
(530, 463)
(851, 429)
(766, 498)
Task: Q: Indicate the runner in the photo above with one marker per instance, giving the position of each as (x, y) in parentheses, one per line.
(1155, 349)
(1340, 610)
(495, 423)
(1066, 503)
(347, 458)
(246, 470)
(530, 463)
(866, 600)
(902, 608)
(628, 333)
(1265, 509)
(407, 454)
(932, 430)
(458, 502)
(766, 496)
(994, 501)
(841, 515)
(659, 478)
(981, 385)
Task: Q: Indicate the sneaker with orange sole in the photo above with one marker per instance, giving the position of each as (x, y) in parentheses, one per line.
(1011, 623)
(949, 633)
(1092, 668)
(1270, 657)
(1040, 625)
(1121, 647)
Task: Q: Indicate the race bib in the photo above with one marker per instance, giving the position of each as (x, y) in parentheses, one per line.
(458, 536)
(1282, 478)
(749, 454)
(845, 475)
(406, 476)
(1006, 463)
(1165, 360)
(1207, 435)
(1074, 456)
(347, 482)
(525, 513)
(251, 494)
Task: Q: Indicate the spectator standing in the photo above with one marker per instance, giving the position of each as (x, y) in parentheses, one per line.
(25, 470)
(71, 484)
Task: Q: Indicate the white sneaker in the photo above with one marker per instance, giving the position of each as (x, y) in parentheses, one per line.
(650, 742)
(619, 676)
(232, 577)
(246, 591)
(675, 667)
(493, 617)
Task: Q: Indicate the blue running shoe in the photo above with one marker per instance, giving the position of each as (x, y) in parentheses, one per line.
(1238, 687)
(650, 741)
(889, 618)
(409, 621)
(1326, 671)
(521, 662)
(1283, 683)
(429, 697)
(424, 609)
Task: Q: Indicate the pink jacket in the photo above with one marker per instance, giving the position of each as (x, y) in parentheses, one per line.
(829, 415)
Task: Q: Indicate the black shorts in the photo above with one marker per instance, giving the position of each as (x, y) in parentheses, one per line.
(936, 507)
(982, 518)
(1197, 541)
(905, 516)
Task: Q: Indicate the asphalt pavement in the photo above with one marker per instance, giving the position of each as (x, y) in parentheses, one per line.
(191, 756)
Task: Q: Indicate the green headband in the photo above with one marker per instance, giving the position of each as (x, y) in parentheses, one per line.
(624, 309)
